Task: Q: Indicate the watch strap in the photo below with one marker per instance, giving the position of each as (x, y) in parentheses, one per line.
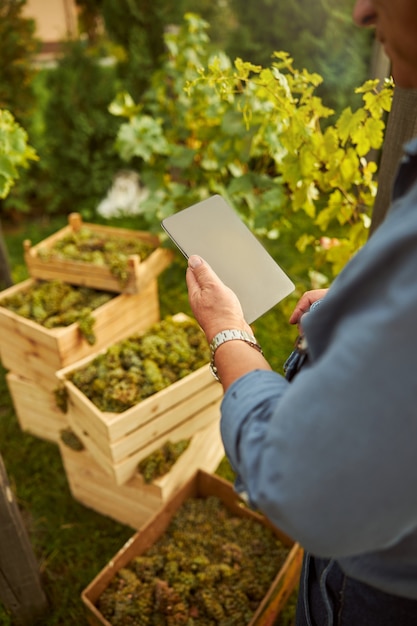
(230, 335)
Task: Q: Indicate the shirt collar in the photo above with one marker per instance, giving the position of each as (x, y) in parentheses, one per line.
(407, 172)
(410, 147)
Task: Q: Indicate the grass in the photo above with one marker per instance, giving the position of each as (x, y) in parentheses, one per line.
(71, 542)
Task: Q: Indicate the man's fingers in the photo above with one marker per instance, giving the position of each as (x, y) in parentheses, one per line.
(191, 280)
(305, 302)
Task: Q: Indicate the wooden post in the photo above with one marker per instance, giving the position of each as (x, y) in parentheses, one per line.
(20, 588)
(5, 274)
(401, 127)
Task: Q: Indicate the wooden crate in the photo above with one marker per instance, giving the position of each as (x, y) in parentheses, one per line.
(135, 502)
(36, 353)
(201, 485)
(96, 276)
(35, 408)
(118, 441)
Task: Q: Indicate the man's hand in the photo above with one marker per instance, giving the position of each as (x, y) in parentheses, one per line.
(215, 306)
(304, 304)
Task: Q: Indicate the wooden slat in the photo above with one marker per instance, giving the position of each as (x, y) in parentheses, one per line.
(165, 422)
(27, 350)
(114, 426)
(204, 452)
(158, 261)
(95, 276)
(90, 485)
(135, 501)
(35, 408)
(119, 440)
(30, 350)
(125, 469)
(20, 587)
(148, 426)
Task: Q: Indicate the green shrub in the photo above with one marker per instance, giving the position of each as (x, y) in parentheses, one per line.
(260, 137)
(307, 31)
(74, 136)
(139, 26)
(15, 152)
(17, 73)
(80, 156)
(30, 195)
(17, 48)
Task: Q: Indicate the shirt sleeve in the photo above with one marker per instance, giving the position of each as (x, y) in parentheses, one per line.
(330, 458)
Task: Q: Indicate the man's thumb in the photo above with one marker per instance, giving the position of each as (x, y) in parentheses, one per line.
(194, 261)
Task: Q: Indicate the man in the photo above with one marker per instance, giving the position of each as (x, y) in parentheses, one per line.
(331, 458)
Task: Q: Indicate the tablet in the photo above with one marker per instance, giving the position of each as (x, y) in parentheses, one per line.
(214, 231)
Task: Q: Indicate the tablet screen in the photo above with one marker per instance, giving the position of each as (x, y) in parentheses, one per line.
(214, 231)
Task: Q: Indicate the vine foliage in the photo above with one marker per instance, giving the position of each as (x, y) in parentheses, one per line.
(15, 151)
(262, 138)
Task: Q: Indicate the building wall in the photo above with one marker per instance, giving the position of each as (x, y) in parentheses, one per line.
(56, 20)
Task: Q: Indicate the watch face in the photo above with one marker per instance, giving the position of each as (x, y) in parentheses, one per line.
(214, 231)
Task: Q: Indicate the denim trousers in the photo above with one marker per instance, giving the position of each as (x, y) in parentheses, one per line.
(327, 597)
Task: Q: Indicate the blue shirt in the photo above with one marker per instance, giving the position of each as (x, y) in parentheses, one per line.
(331, 458)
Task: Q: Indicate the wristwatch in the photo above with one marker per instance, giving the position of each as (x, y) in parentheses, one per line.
(230, 335)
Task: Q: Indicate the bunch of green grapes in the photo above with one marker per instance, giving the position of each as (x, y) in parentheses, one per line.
(88, 246)
(141, 365)
(209, 568)
(161, 460)
(55, 304)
